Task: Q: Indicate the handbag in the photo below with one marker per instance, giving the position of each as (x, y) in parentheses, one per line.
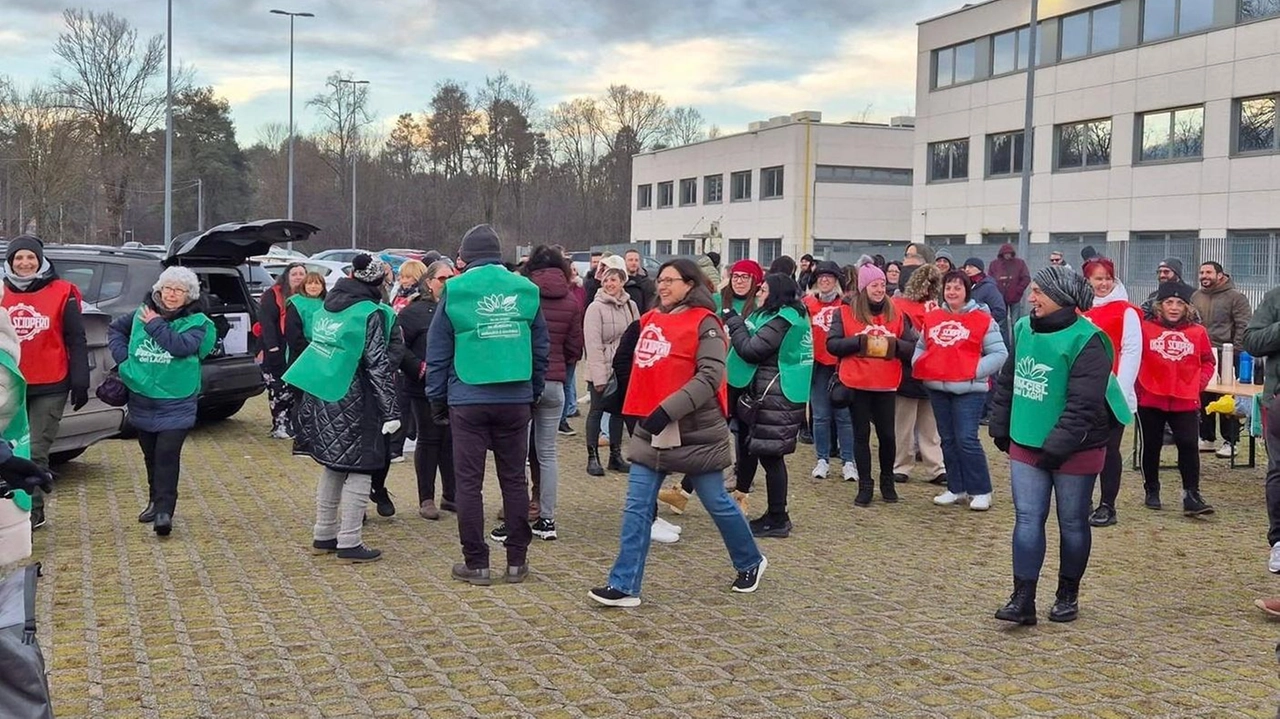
(113, 391)
(841, 396)
(748, 406)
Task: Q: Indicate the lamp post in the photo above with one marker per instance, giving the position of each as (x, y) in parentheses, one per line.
(353, 83)
(1028, 135)
(168, 130)
(291, 16)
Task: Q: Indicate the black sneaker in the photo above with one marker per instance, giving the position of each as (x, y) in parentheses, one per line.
(543, 528)
(359, 554)
(940, 480)
(476, 577)
(499, 533)
(37, 517)
(1103, 516)
(749, 580)
(1193, 505)
(1153, 499)
(324, 546)
(566, 429)
(611, 597)
(806, 437)
(776, 527)
(383, 500)
(900, 478)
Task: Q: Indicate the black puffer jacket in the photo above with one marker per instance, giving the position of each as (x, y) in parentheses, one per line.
(413, 322)
(778, 420)
(346, 436)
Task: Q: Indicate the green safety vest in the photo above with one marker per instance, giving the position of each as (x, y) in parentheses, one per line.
(795, 357)
(18, 433)
(738, 304)
(1040, 378)
(492, 312)
(306, 307)
(151, 371)
(326, 368)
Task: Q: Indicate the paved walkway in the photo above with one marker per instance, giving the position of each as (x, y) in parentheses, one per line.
(872, 612)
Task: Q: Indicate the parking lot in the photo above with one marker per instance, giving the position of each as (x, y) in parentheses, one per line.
(863, 612)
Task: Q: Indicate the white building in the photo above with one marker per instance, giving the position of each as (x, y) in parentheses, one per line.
(1154, 120)
(791, 185)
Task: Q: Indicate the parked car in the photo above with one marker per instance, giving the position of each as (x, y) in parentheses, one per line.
(330, 271)
(341, 255)
(97, 420)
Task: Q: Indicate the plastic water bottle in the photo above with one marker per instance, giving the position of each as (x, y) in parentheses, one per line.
(1246, 368)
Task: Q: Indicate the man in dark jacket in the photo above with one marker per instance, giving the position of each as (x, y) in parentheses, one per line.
(639, 286)
(1262, 339)
(1225, 312)
(986, 292)
(1012, 278)
(1169, 270)
(487, 355)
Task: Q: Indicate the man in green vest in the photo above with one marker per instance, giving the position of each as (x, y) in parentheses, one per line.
(487, 356)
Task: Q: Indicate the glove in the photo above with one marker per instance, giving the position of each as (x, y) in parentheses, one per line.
(79, 397)
(1050, 461)
(656, 422)
(24, 474)
(1002, 444)
(439, 413)
(391, 427)
(726, 313)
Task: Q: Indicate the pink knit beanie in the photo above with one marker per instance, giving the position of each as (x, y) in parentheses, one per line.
(868, 273)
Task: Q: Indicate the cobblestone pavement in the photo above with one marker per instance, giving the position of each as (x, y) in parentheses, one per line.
(883, 611)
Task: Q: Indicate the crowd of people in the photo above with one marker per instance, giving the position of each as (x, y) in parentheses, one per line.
(693, 372)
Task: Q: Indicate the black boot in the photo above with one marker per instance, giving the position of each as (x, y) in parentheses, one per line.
(866, 489)
(1067, 606)
(888, 488)
(1153, 496)
(593, 462)
(149, 514)
(616, 462)
(1022, 605)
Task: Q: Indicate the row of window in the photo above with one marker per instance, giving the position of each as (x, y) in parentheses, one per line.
(1162, 135)
(1099, 238)
(1088, 32)
(739, 249)
(712, 189)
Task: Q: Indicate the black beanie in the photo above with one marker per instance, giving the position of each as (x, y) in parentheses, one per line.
(24, 242)
(478, 243)
(1181, 290)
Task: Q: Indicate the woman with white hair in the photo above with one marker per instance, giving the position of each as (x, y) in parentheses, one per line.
(158, 350)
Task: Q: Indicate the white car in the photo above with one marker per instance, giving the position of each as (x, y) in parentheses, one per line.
(342, 255)
(331, 271)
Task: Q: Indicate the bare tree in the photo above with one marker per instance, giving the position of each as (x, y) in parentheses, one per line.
(685, 125)
(714, 132)
(48, 143)
(645, 113)
(571, 130)
(109, 80)
(342, 110)
(450, 126)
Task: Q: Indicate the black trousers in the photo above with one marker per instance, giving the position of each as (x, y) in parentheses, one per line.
(1111, 469)
(775, 474)
(1184, 426)
(1229, 425)
(873, 409)
(434, 453)
(1271, 421)
(594, 417)
(504, 430)
(162, 453)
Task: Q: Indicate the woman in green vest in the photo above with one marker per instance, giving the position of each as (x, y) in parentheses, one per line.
(771, 366)
(740, 294)
(1053, 410)
(158, 350)
(299, 309)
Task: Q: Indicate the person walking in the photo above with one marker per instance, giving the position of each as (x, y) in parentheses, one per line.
(772, 366)
(959, 350)
(1225, 313)
(433, 453)
(272, 308)
(610, 313)
(1262, 339)
(1055, 405)
(677, 393)
(1012, 278)
(823, 304)
(487, 356)
(1177, 364)
(157, 350)
(915, 424)
(1122, 322)
(45, 314)
(871, 337)
(348, 407)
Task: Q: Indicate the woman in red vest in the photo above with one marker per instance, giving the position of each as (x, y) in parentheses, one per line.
(1122, 322)
(271, 320)
(677, 392)
(824, 304)
(915, 426)
(959, 349)
(54, 360)
(1177, 364)
(871, 337)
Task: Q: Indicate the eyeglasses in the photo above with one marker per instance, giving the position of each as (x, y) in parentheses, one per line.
(175, 290)
(670, 280)
(740, 276)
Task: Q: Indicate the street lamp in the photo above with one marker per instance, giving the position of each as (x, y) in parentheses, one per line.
(168, 130)
(1028, 136)
(353, 83)
(291, 16)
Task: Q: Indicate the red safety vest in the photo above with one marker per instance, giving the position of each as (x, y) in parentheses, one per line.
(871, 373)
(1110, 319)
(1171, 360)
(666, 358)
(820, 314)
(952, 346)
(37, 320)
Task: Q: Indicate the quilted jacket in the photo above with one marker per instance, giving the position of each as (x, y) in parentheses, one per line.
(778, 420)
(564, 320)
(346, 436)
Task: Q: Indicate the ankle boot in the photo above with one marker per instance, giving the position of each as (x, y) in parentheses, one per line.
(1021, 608)
(593, 462)
(888, 488)
(1067, 606)
(616, 462)
(866, 488)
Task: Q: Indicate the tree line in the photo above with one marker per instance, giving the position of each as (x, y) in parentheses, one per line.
(82, 155)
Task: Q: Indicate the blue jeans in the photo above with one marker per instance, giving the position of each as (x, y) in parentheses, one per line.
(820, 401)
(570, 391)
(957, 416)
(1031, 490)
(637, 520)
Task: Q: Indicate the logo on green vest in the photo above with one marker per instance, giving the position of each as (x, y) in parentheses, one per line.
(502, 310)
(151, 353)
(652, 346)
(1031, 379)
(324, 334)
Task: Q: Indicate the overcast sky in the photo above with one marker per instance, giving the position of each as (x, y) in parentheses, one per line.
(734, 60)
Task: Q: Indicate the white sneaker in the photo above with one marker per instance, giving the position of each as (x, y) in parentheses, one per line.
(850, 472)
(948, 498)
(1274, 563)
(1207, 446)
(820, 469)
(1226, 451)
(668, 526)
(979, 502)
(410, 445)
(663, 535)
(281, 434)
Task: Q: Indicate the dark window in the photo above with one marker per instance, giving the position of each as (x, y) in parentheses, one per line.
(1084, 145)
(1166, 18)
(1004, 154)
(666, 194)
(685, 247)
(644, 197)
(740, 183)
(85, 275)
(1010, 51)
(863, 175)
(1254, 9)
(662, 247)
(689, 191)
(1171, 134)
(1256, 125)
(713, 189)
(954, 65)
(770, 250)
(948, 160)
(739, 250)
(1090, 32)
(770, 182)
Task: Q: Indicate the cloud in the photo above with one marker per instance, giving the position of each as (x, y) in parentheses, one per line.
(488, 48)
(683, 72)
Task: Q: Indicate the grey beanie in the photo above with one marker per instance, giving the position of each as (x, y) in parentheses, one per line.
(1065, 286)
(368, 270)
(478, 243)
(1173, 263)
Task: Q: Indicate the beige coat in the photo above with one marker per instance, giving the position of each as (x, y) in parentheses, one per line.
(604, 322)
